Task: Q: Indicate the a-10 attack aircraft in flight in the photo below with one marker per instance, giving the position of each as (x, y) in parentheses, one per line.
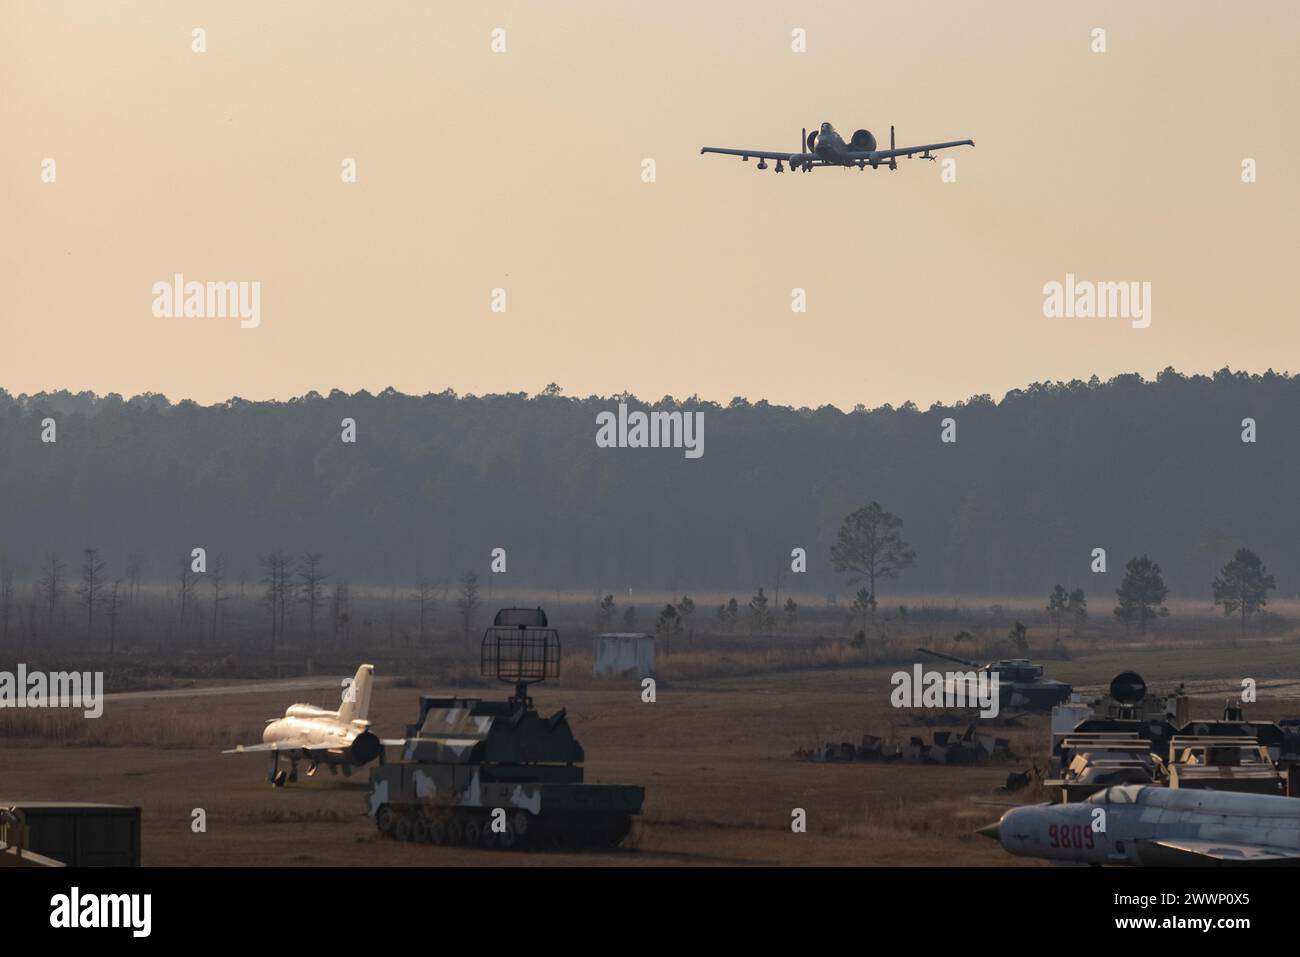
(337, 739)
(828, 148)
(1157, 827)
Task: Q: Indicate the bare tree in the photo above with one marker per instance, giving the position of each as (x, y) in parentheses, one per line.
(217, 599)
(50, 586)
(425, 598)
(134, 568)
(468, 601)
(92, 582)
(112, 607)
(277, 567)
(313, 589)
(780, 576)
(268, 566)
(34, 602)
(341, 612)
(6, 602)
(287, 588)
(185, 591)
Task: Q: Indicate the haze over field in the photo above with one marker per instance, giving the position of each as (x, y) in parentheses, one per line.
(521, 170)
(433, 483)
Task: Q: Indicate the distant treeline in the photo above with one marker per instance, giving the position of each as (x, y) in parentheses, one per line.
(432, 484)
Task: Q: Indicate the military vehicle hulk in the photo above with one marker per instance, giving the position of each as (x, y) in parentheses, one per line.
(497, 773)
(1021, 684)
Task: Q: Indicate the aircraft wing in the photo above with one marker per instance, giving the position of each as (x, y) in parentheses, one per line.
(762, 154)
(303, 744)
(1178, 851)
(906, 150)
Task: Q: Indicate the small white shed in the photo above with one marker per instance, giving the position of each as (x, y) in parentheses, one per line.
(623, 653)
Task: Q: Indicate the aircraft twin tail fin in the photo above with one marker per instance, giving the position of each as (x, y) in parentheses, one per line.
(356, 698)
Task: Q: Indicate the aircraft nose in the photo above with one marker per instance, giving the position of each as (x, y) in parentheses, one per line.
(1017, 830)
(991, 830)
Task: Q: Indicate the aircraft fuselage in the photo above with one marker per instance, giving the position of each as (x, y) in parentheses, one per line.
(332, 737)
(831, 147)
(1148, 826)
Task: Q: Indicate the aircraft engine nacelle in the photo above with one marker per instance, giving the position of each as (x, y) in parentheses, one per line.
(863, 140)
(365, 748)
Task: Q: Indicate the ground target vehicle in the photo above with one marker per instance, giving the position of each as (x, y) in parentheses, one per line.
(497, 773)
(1021, 684)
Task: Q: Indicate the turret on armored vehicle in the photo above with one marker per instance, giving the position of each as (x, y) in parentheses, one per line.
(497, 773)
(1020, 682)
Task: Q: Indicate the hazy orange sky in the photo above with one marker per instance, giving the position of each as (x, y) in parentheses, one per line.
(522, 170)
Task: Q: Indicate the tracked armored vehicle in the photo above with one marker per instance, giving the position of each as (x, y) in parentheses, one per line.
(1021, 685)
(498, 773)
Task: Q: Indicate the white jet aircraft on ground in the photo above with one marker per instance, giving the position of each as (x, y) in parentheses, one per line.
(1151, 826)
(337, 739)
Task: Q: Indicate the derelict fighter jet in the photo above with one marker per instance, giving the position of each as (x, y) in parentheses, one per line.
(1152, 826)
(828, 148)
(337, 739)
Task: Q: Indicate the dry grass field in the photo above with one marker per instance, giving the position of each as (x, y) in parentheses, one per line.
(715, 754)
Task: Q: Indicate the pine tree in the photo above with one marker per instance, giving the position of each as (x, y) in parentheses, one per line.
(1142, 594)
(870, 547)
(1243, 585)
(1056, 603)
